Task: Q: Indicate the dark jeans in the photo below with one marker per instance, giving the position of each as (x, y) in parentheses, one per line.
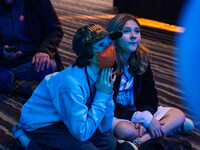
(21, 70)
(57, 136)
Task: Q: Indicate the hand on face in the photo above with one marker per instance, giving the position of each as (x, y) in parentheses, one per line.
(41, 60)
(105, 81)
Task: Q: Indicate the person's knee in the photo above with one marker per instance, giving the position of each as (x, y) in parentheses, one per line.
(7, 80)
(180, 116)
(175, 118)
(112, 143)
(125, 130)
(84, 146)
(33, 146)
(52, 66)
(11, 80)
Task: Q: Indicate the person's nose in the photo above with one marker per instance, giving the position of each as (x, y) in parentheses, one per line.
(133, 36)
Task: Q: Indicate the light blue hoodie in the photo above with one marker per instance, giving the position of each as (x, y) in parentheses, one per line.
(65, 96)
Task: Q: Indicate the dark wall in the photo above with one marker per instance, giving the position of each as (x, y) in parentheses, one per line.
(161, 10)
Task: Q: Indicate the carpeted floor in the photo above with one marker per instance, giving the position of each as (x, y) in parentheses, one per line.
(74, 14)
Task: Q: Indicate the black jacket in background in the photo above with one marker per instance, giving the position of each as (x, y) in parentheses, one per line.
(44, 27)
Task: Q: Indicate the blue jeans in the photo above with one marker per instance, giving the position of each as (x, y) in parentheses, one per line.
(21, 70)
(57, 136)
(6, 79)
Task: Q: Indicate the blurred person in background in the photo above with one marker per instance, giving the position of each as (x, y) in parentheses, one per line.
(30, 33)
(189, 55)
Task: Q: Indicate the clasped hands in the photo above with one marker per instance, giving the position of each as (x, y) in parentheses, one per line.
(154, 128)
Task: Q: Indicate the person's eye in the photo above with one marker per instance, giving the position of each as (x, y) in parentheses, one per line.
(137, 30)
(110, 43)
(125, 31)
(101, 44)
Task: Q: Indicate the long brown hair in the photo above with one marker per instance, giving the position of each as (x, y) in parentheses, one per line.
(138, 60)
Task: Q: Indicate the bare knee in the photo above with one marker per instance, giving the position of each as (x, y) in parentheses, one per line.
(173, 120)
(178, 115)
(125, 130)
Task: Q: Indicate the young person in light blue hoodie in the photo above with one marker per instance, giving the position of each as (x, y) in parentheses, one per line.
(73, 109)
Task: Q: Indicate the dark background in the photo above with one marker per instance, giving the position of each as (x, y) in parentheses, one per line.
(161, 10)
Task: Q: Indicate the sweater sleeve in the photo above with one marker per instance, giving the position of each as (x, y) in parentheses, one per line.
(81, 121)
(109, 115)
(144, 117)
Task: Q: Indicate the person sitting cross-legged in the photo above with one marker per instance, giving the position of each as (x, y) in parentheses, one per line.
(138, 117)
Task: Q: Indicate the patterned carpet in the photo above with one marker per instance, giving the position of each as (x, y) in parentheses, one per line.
(74, 14)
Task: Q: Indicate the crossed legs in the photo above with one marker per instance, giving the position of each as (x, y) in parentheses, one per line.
(126, 130)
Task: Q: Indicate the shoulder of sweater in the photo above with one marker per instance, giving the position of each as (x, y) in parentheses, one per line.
(70, 75)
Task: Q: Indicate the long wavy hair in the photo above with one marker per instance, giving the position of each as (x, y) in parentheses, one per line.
(139, 59)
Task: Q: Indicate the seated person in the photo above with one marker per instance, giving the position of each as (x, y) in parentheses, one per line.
(30, 33)
(137, 114)
(74, 109)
